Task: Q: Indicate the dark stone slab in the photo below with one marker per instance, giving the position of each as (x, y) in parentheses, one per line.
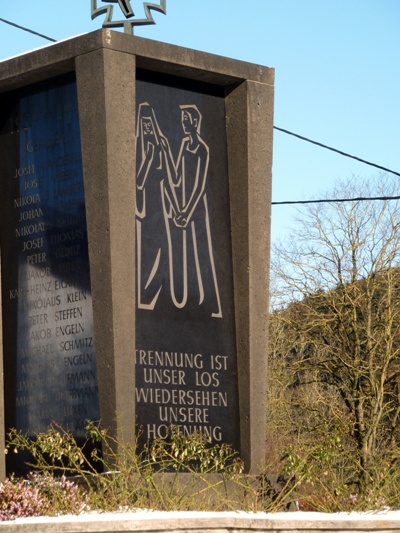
(49, 349)
(186, 367)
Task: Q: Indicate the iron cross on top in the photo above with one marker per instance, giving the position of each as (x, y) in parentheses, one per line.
(126, 7)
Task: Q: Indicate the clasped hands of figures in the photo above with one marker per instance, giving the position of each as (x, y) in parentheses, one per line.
(180, 218)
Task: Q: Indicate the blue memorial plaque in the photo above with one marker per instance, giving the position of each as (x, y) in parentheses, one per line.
(49, 348)
(186, 367)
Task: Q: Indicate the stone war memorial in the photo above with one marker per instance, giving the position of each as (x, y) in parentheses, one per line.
(135, 185)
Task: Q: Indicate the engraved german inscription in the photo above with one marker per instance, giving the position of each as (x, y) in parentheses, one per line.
(186, 367)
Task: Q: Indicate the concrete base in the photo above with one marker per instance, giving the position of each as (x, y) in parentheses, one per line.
(194, 522)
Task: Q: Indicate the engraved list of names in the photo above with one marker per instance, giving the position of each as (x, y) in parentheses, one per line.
(49, 348)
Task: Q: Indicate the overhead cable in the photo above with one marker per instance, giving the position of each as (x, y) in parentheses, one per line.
(28, 30)
(338, 200)
(336, 150)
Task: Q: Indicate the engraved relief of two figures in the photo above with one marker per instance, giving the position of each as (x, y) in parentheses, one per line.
(173, 230)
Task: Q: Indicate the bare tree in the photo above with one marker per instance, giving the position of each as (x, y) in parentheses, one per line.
(336, 322)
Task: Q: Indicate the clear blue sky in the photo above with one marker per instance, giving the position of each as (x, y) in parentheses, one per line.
(337, 73)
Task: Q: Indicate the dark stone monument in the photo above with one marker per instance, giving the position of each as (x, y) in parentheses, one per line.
(135, 182)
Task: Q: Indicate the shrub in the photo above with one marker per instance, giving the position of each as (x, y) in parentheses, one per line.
(40, 494)
(178, 473)
(18, 500)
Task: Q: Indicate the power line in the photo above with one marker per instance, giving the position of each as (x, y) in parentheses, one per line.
(338, 200)
(336, 150)
(28, 30)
